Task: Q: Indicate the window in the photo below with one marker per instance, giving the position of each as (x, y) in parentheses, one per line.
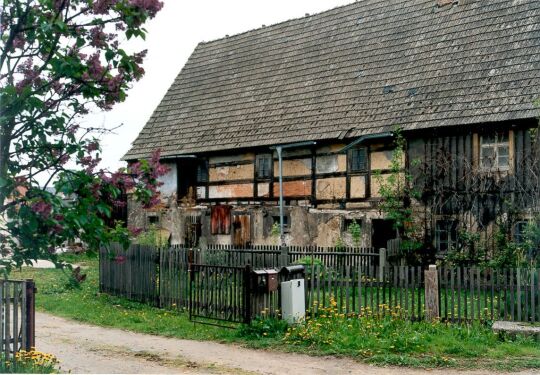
(264, 166)
(152, 219)
(348, 222)
(495, 152)
(520, 231)
(445, 235)
(202, 171)
(286, 226)
(358, 159)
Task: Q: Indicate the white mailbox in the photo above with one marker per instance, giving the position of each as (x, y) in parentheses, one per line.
(293, 301)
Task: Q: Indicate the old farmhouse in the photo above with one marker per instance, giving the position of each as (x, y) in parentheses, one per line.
(326, 96)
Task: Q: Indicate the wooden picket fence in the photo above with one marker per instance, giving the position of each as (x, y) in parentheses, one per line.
(160, 275)
(220, 293)
(467, 294)
(355, 283)
(17, 316)
(369, 291)
(131, 273)
(272, 256)
(174, 276)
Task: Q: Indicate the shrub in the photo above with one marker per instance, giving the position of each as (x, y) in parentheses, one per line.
(152, 237)
(356, 232)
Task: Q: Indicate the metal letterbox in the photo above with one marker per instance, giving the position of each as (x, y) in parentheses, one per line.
(265, 281)
(293, 272)
(259, 281)
(272, 280)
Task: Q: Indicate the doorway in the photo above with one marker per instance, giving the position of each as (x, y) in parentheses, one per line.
(382, 230)
(187, 178)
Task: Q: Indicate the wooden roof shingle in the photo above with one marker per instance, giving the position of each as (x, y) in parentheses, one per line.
(357, 69)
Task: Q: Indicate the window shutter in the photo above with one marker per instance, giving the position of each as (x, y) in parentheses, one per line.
(220, 219)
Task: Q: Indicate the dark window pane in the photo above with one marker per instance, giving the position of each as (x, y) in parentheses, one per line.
(520, 231)
(488, 157)
(503, 162)
(445, 235)
(202, 171)
(503, 150)
(264, 166)
(358, 159)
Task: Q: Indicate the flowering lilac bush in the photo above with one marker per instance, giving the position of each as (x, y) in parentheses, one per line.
(58, 60)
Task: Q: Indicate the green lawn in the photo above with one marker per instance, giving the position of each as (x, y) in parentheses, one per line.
(386, 341)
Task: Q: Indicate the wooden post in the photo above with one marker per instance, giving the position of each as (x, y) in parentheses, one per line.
(382, 263)
(431, 293)
(248, 290)
(30, 319)
(284, 256)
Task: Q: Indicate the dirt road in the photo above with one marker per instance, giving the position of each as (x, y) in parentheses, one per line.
(83, 348)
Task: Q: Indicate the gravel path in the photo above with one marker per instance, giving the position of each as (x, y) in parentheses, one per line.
(84, 348)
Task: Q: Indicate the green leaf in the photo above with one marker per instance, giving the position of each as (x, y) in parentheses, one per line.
(109, 55)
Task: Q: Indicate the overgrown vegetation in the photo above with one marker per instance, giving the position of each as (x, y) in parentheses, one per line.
(355, 230)
(508, 252)
(275, 232)
(153, 236)
(382, 341)
(396, 191)
(492, 212)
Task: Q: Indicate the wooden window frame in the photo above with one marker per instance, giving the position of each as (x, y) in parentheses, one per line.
(451, 238)
(352, 168)
(286, 224)
(203, 173)
(270, 168)
(480, 145)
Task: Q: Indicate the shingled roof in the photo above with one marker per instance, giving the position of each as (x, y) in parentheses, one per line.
(360, 68)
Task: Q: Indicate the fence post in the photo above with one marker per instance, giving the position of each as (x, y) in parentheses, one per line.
(30, 319)
(382, 263)
(247, 294)
(431, 293)
(284, 256)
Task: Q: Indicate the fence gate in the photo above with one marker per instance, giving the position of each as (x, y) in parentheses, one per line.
(219, 295)
(17, 316)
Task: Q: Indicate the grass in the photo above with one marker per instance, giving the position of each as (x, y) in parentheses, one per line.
(390, 340)
(385, 341)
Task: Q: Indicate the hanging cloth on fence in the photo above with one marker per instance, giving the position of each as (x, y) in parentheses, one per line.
(220, 219)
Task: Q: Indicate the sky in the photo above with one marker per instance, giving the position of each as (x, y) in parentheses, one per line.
(172, 37)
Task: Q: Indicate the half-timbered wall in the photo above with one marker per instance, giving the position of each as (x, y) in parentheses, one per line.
(316, 175)
(323, 190)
